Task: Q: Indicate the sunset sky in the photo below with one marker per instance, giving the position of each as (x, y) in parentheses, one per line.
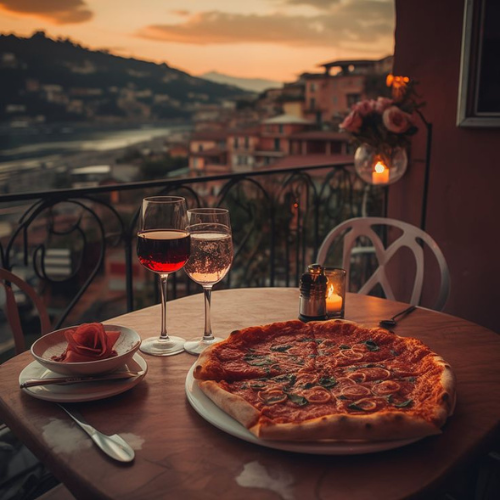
(273, 39)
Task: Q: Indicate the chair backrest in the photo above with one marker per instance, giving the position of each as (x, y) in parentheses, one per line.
(8, 279)
(411, 237)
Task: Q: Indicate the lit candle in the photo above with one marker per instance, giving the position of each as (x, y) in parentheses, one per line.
(380, 174)
(333, 301)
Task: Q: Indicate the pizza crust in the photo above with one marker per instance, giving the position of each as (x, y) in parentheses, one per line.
(382, 426)
(447, 398)
(232, 404)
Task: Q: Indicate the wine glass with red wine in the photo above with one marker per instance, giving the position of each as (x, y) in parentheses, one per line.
(163, 246)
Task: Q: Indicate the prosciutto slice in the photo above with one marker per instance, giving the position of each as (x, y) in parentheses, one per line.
(88, 342)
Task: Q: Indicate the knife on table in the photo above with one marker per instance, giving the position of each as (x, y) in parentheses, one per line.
(114, 446)
(76, 380)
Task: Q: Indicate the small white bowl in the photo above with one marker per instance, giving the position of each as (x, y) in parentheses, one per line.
(55, 343)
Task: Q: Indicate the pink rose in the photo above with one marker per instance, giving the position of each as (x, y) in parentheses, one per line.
(352, 122)
(382, 104)
(396, 121)
(364, 107)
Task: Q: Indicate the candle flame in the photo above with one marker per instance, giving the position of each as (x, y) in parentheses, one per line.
(331, 290)
(379, 167)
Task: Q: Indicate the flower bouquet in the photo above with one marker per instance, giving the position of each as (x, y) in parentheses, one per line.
(382, 128)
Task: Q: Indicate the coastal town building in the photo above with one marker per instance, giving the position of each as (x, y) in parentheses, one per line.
(295, 124)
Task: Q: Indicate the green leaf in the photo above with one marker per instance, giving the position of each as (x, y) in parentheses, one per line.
(371, 345)
(257, 386)
(405, 404)
(273, 399)
(258, 360)
(298, 400)
(343, 346)
(354, 406)
(328, 382)
(280, 348)
(287, 378)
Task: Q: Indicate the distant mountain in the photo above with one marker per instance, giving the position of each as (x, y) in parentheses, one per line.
(58, 80)
(252, 84)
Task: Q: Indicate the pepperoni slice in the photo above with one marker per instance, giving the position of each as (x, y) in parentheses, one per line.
(386, 387)
(272, 396)
(351, 355)
(377, 373)
(364, 405)
(369, 374)
(317, 395)
(355, 391)
(358, 376)
(342, 381)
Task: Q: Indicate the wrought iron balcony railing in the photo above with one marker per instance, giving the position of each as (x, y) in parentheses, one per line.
(77, 247)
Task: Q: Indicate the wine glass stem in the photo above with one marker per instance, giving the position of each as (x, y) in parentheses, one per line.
(207, 292)
(163, 290)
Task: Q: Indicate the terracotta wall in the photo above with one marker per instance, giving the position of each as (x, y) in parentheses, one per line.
(463, 210)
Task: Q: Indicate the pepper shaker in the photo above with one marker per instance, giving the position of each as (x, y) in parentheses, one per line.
(312, 305)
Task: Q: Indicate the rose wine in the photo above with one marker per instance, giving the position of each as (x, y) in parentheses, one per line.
(163, 251)
(211, 257)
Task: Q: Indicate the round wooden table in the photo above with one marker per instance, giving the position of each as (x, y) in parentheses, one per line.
(180, 455)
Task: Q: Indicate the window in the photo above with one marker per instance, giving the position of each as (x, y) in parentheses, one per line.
(312, 103)
(247, 142)
(276, 144)
(200, 147)
(352, 99)
(281, 129)
(236, 142)
(312, 87)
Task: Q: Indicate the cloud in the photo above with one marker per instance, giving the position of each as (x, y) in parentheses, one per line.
(55, 11)
(319, 4)
(359, 22)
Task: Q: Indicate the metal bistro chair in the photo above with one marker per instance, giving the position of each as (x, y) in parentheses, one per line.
(412, 238)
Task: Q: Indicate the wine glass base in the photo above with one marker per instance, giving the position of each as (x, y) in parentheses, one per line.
(196, 346)
(155, 346)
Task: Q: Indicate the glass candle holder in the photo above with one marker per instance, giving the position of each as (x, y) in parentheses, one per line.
(335, 292)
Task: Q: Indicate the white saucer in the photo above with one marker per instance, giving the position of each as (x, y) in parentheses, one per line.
(80, 392)
(220, 419)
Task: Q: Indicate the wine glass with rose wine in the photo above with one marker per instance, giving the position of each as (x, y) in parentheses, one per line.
(163, 246)
(210, 260)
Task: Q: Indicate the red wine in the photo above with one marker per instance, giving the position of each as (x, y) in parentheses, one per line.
(163, 251)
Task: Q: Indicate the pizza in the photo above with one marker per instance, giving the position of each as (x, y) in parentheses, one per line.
(327, 380)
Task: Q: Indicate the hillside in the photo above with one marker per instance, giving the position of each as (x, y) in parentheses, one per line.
(250, 84)
(58, 80)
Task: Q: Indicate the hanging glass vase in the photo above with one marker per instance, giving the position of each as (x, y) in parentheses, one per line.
(380, 165)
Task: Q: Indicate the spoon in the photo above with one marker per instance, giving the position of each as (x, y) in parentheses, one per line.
(387, 323)
(114, 446)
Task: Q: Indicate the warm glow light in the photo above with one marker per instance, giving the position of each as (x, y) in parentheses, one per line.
(333, 301)
(399, 85)
(380, 174)
(242, 39)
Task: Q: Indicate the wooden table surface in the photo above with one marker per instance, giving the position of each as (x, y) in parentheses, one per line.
(180, 455)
